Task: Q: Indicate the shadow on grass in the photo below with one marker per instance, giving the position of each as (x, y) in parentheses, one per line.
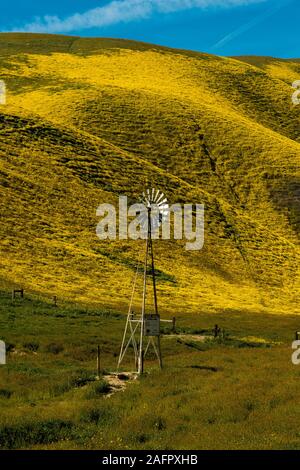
(210, 368)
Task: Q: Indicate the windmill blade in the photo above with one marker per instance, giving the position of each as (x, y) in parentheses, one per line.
(162, 202)
(158, 203)
(156, 195)
(161, 196)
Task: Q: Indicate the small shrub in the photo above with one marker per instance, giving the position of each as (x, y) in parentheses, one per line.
(211, 420)
(81, 379)
(31, 346)
(97, 415)
(250, 406)
(100, 388)
(160, 424)
(4, 393)
(41, 432)
(139, 437)
(54, 348)
(61, 388)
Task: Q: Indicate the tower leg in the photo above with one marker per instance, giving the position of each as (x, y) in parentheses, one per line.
(141, 350)
(159, 353)
(139, 347)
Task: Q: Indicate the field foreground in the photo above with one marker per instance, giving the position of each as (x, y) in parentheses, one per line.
(236, 393)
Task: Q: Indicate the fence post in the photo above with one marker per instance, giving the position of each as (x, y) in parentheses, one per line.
(17, 291)
(98, 362)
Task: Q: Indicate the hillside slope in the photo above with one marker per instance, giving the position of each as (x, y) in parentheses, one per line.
(87, 120)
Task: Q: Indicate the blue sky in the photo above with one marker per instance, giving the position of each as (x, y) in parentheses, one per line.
(224, 27)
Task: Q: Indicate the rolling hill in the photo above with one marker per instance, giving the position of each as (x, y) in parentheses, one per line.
(87, 120)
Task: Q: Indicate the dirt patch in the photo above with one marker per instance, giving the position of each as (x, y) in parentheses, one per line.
(17, 352)
(119, 381)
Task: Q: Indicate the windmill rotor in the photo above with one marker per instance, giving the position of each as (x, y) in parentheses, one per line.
(157, 205)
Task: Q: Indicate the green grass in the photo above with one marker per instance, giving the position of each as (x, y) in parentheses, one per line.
(234, 393)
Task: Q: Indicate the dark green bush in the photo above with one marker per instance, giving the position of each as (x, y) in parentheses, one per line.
(54, 348)
(41, 432)
(100, 388)
(81, 378)
(4, 393)
(97, 415)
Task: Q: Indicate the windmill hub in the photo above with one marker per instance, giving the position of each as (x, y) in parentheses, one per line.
(156, 210)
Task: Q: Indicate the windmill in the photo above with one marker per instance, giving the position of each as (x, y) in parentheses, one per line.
(143, 330)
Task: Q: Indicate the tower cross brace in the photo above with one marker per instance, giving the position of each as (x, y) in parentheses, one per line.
(143, 326)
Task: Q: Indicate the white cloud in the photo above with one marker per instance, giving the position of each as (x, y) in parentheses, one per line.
(122, 11)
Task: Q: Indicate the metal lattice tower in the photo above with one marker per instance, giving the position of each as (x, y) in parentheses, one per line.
(143, 331)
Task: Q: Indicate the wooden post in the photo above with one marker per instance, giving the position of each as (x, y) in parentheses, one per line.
(98, 362)
(17, 291)
(174, 324)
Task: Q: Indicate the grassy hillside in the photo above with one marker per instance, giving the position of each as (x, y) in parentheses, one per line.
(89, 119)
